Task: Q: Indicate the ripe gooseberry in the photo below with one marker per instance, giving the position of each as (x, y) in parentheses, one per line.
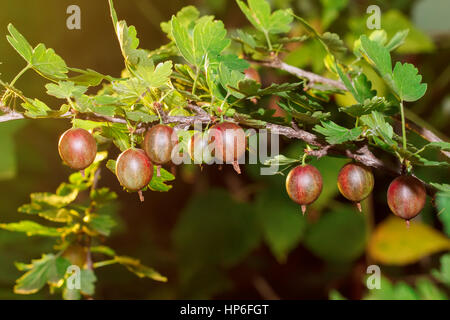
(406, 197)
(158, 144)
(134, 170)
(229, 143)
(77, 148)
(304, 185)
(355, 182)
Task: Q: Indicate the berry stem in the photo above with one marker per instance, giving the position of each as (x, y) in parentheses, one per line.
(402, 113)
(358, 205)
(303, 209)
(19, 74)
(141, 195)
(158, 171)
(194, 86)
(236, 167)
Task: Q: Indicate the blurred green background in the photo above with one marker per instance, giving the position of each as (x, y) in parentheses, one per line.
(216, 234)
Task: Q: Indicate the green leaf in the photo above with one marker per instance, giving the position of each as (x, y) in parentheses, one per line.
(65, 195)
(19, 43)
(154, 77)
(397, 40)
(378, 104)
(48, 212)
(336, 134)
(378, 56)
(142, 271)
(440, 145)
(88, 77)
(35, 108)
(103, 250)
(31, 228)
(443, 204)
(47, 62)
(159, 183)
(233, 62)
(49, 269)
(65, 89)
(230, 78)
(103, 224)
(119, 134)
(186, 17)
(207, 41)
(129, 45)
(333, 43)
(283, 226)
(380, 128)
(394, 244)
(342, 223)
(407, 82)
(259, 14)
(280, 160)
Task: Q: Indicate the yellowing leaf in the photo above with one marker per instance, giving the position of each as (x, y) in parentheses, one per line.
(392, 243)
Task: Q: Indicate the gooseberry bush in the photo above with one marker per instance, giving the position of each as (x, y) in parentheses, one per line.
(209, 75)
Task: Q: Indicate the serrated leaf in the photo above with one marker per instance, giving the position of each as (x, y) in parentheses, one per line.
(35, 108)
(88, 77)
(159, 183)
(407, 82)
(31, 228)
(103, 250)
(65, 89)
(336, 134)
(379, 57)
(259, 14)
(48, 212)
(280, 160)
(246, 38)
(441, 145)
(207, 41)
(367, 107)
(233, 62)
(49, 269)
(46, 61)
(379, 128)
(154, 77)
(392, 243)
(19, 43)
(119, 134)
(397, 40)
(142, 271)
(129, 43)
(333, 42)
(103, 224)
(186, 16)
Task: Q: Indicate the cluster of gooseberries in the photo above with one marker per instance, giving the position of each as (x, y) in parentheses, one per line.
(406, 194)
(134, 167)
